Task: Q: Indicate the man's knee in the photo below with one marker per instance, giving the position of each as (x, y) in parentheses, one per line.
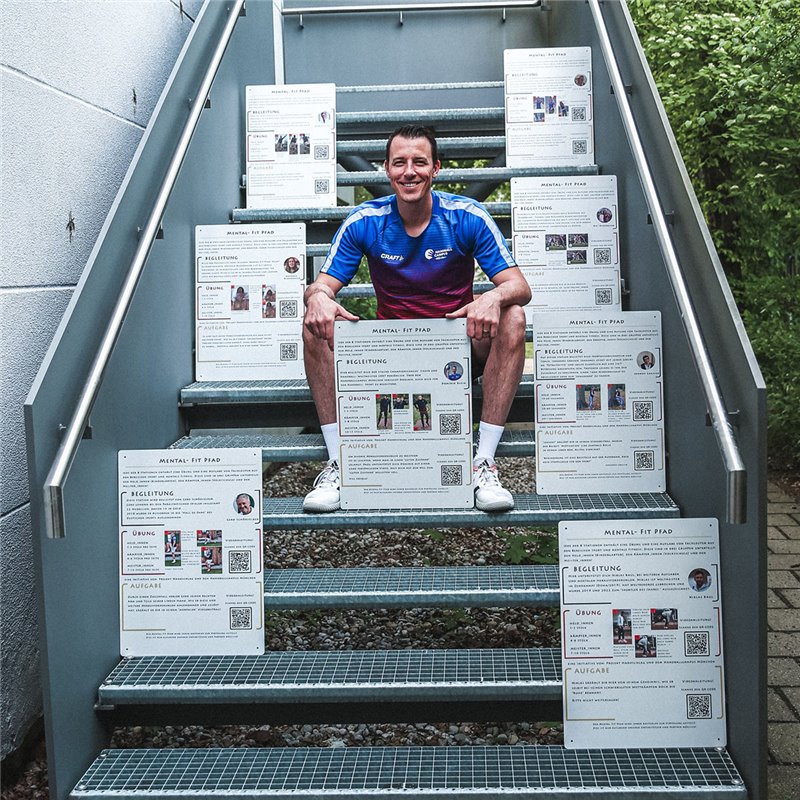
(512, 322)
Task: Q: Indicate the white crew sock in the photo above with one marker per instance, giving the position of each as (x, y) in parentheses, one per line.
(488, 439)
(330, 433)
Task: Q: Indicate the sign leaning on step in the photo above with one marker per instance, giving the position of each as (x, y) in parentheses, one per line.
(641, 619)
(548, 95)
(250, 281)
(566, 241)
(403, 397)
(291, 145)
(190, 552)
(598, 402)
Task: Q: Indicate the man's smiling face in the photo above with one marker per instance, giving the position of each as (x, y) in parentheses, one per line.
(411, 168)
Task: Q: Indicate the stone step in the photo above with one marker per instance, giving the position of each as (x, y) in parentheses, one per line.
(421, 773)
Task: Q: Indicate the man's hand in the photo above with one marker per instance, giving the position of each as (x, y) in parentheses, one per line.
(483, 316)
(322, 310)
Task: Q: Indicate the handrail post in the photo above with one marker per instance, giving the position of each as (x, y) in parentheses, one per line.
(736, 487)
(54, 483)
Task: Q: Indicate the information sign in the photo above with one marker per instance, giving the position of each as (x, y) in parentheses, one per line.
(249, 302)
(404, 408)
(291, 145)
(190, 552)
(566, 241)
(642, 633)
(548, 94)
(598, 402)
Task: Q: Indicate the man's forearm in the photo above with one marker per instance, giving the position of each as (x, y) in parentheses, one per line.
(511, 293)
(318, 288)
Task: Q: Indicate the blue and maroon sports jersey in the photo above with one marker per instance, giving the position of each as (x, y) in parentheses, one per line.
(424, 276)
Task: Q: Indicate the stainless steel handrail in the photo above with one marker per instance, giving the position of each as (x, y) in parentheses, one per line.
(73, 433)
(736, 511)
(401, 7)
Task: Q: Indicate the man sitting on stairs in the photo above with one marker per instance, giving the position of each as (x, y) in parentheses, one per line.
(421, 246)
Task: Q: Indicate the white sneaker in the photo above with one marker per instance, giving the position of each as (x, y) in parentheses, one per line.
(489, 492)
(324, 497)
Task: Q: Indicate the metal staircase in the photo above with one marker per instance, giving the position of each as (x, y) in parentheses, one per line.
(151, 366)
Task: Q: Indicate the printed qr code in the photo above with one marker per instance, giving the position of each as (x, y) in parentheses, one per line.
(602, 255)
(289, 351)
(642, 410)
(321, 152)
(452, 475)
(239, 562)
(241, 619)
(695, 643)
(287, 309)
(579, 113)
(449, 424)
(603, 297)
(698, 706)
(322, 186)
(580, 147)
(643, 460)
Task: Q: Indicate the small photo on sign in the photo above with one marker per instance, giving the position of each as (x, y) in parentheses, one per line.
(240, 298)
(400, 402)
(383, 410)
(645, 646)
(616, 396)
(663, 619)
(699, 580)
(646, 360)
(211, 560)
(622, 626)
(243, 504)
(172, 548)
(292, 265)
(587, 397)
(422, 412)
(453, 370)
(209, 538)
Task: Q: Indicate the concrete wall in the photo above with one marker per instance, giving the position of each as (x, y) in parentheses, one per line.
(78, 82)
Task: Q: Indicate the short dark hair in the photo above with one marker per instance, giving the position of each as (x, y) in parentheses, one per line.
(415, 132)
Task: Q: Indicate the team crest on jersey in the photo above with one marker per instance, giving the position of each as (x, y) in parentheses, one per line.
(438, 255)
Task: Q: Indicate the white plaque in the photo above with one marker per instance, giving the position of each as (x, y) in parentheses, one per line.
(598, 402)
(249, 302)
(291, 145)
(190, 552)
(566, 241)
(404, 406)
(642, 633)
(548, 94)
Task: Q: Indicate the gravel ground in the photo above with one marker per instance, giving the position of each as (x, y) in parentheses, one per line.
(377, 629)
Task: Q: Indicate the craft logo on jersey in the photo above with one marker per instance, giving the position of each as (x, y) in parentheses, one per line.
(438, 255)
(390, 258)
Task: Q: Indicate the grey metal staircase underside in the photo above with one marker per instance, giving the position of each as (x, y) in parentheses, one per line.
(456, 773)
(339, 676)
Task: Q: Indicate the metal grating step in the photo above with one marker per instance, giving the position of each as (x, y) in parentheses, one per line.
(354, 676)
(448, 146)
(412, 587)
(332, 214)
(414, 772)
(285, 391)
(311, 446)
(529, 509)
(371, 178)
(421, 116)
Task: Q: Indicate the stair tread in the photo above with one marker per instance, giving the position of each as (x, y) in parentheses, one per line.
(336, 675)
(311, 446)
(276, 391)
(441, 587)
(529, 509)
(490, 771)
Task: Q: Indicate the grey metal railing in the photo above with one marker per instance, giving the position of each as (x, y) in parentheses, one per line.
(736, 511)
(73, 433)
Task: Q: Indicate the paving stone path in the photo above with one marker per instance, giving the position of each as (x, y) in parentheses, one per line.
(783, 616)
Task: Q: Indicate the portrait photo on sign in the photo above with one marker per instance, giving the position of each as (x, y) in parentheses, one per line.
(453, 370)
(240, 298)
(383, 410)
(172, 548)
(622, 626)
(616, 396)
(587, 397)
